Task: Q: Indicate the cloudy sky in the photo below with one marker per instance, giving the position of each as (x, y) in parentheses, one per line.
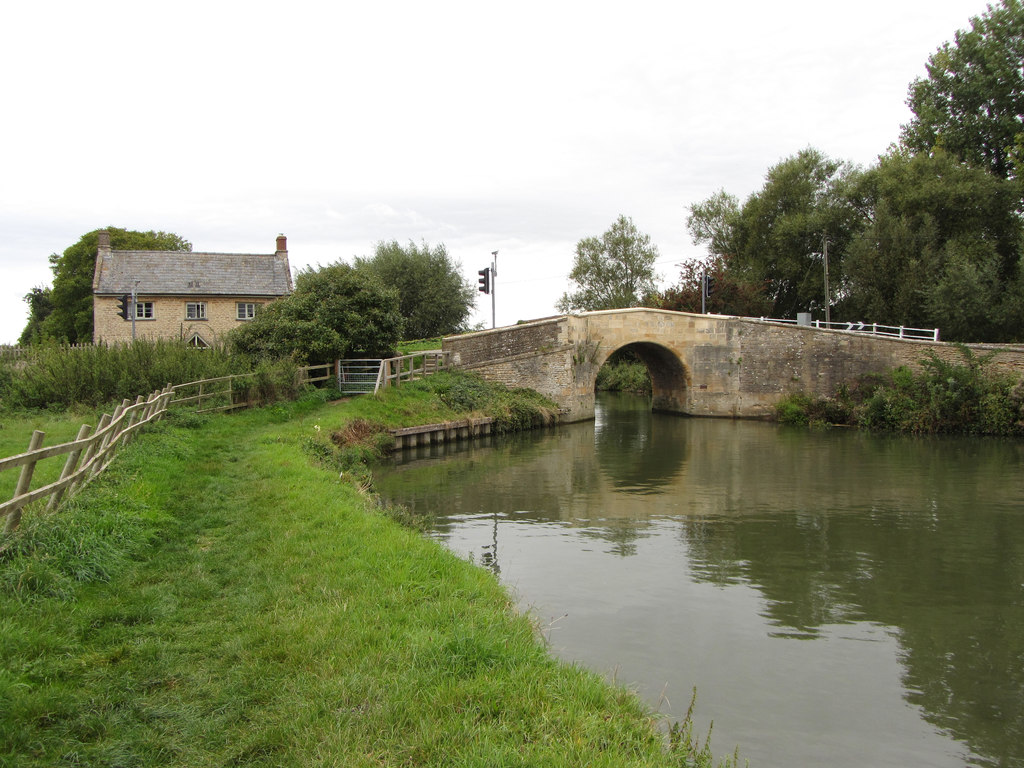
(518, 127)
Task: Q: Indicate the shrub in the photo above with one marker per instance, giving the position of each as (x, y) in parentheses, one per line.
(943, 397)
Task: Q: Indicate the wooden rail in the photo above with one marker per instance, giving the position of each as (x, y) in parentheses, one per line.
(395, 370)
(87, 455)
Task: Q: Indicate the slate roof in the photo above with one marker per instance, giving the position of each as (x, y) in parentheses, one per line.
(175, 272)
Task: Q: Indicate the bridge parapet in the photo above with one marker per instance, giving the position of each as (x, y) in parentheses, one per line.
(706, 365)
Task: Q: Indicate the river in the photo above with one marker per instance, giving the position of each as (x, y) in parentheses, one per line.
(836, 597)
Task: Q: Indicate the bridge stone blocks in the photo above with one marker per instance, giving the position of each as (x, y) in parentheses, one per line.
(707, 365)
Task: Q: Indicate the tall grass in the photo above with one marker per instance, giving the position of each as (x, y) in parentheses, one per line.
(58, 376)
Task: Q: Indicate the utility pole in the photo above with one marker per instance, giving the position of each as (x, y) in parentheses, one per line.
(828, 300)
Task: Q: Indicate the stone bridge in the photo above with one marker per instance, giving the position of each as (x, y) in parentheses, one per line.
(701, 365)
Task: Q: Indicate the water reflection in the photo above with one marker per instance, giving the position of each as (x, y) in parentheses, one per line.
(838, 597)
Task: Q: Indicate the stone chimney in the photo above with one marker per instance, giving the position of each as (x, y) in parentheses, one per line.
(102, 255)
(281, 259)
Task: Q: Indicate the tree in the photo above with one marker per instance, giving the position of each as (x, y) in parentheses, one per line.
(433, 297)
(941, 248)
(71, 318)
(774, 243)
(335, 312)
(40, 305)
(971, 104)
(712, 222)
(729, 296)
(613, 271)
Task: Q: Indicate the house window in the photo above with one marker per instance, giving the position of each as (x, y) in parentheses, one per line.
(197, 341)
(143, 310)
(195, 310)
(246, 310)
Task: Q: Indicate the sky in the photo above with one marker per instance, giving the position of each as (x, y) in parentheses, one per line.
(519, 128)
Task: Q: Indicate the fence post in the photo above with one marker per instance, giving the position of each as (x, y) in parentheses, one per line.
(107, 439)
(69, 468)
(24, 480)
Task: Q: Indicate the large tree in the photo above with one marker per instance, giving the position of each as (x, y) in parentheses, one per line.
(971, 104)
(941, 248)
(335, 312)
(433, 297)
(71, 318)
(774, 242)
(613, 271)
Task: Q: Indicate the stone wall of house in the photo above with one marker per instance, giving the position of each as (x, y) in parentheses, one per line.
(169, 320)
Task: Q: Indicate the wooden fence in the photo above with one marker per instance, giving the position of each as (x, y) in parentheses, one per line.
(87, 455)
(395, 370)
(90, 452)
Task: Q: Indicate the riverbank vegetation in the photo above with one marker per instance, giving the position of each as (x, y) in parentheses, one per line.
(964, 397)
(217, 598)
(624, 372)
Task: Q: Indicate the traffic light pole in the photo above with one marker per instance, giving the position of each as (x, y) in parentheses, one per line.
(494, 274)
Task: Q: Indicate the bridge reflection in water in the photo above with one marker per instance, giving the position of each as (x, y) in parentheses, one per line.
(838, 598)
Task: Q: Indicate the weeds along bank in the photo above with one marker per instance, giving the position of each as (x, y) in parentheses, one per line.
(966, 397)
(217, 598)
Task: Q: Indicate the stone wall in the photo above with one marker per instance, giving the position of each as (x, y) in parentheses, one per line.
(168, 321)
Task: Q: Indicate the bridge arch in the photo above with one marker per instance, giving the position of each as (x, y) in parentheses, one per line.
(670, 378)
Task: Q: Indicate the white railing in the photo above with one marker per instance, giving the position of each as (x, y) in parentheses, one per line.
(872, 329)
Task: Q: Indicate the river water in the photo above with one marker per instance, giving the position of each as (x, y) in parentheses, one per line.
(837, 598)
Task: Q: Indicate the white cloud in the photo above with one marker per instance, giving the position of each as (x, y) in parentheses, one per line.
(520, 128)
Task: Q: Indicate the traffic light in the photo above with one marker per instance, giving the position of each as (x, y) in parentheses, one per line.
(124, 306)
(709, 284)
(485, 280)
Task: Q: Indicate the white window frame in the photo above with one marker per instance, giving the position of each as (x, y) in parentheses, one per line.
(245, 310)
(144, 310)
(195, 310)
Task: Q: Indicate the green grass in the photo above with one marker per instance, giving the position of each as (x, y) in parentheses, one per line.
(419, 345)
(16, 430)
(216, 599)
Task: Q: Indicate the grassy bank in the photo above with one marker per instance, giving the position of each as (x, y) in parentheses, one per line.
(219, 599)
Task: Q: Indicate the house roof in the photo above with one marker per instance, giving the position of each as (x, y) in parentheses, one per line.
(177, 272)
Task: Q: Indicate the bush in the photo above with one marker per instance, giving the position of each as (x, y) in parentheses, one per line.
(624, 372)
(944, 397)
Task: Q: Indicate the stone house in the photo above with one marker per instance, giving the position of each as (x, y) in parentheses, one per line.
(194, 297)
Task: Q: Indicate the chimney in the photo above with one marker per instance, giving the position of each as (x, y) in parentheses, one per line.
(102, 256)
(282, 244)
